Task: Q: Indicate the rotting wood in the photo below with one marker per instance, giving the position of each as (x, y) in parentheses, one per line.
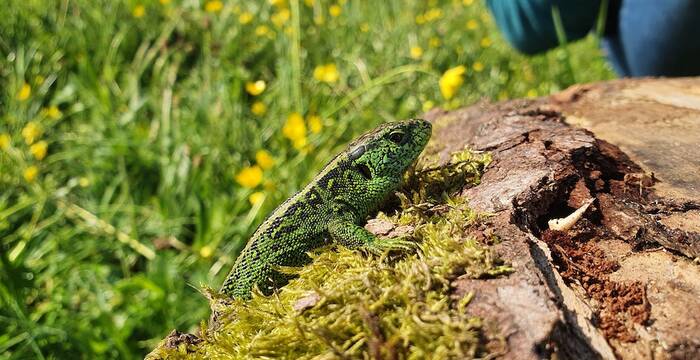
(644, 222)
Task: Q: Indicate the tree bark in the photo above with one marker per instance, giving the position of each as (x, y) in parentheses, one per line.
(624, 281)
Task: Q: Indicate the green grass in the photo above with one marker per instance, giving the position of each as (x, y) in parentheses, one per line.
(147, 121)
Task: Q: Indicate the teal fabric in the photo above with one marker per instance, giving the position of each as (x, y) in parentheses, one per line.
(528, 24)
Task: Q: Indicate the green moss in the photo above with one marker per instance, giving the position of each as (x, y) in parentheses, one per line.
(362, 306)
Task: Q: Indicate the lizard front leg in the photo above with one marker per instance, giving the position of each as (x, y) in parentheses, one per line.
(353, 236)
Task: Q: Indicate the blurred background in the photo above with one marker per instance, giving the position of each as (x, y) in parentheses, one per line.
(142, 141)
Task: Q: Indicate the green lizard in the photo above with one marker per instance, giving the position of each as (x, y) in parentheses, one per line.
(332, 207)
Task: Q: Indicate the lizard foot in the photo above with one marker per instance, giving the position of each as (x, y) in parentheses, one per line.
(383, 245)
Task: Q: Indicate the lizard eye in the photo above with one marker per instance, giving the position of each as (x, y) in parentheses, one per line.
(396, 137)
(365, 171)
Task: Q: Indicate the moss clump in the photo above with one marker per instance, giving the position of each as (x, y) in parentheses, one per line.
(348, 305)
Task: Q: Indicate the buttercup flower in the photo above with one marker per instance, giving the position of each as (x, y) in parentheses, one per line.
(472, 24)
(24, 92)
(39, 149)
(30, 173)
(485, 42)
(300, 143)
(31, 132)
(255, 88)
(264, 159)
(315, 124)
(326, 73)
(451, 80)
(5, 141)
(213, 6)
(280, 17)
(262, 30)
(53, 112)
(478, 66)
(250, 177)
(279, 3)
(294, 128)
(416, 52)
(245, 17)
(335, 10)
(139, 11)
(206, 251)
(258, 108)
(256, 197)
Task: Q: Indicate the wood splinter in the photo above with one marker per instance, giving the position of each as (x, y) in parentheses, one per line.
(564, 224)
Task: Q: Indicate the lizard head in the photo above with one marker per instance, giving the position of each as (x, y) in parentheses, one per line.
(385, 153)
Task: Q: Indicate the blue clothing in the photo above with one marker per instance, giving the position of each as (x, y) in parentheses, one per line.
(642, 37)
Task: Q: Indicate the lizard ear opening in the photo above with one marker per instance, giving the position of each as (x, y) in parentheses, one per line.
(365, 171)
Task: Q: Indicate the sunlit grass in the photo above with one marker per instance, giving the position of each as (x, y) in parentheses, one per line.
(131, 134)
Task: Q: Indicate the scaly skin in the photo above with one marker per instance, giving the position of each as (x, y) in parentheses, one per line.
(332, 207)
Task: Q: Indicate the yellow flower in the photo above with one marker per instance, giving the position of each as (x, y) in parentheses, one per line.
(164, 2)
(280, 17)
(30, 173)
(472, 24)
(206, 251)
(84, 182)
(478, 66)
(256, 197)
(264, 159)
(139, 11)
(432, 14)
(279, 3)
(294, 128)
(428, 105)
(52, 112)
(315, 124)
(326, 73)
(255, 88)
(451, 80)
(335, 10)
(262, 30)
(213, 6)
(39, 150)
(31, 132)
(24, 92)
(364, 27)
(245, 18)
(434, 42)
(416, 52)
(5, 141)
(258, 108)
(250, 177)
(532, 93)
(467, 2)
(485, 42)
(300, 143)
